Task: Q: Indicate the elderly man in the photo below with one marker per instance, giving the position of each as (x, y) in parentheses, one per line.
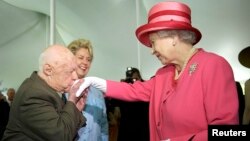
(38, 112)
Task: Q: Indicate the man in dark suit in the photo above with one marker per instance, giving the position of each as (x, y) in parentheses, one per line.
(4, 114)
(244, 60)
(38, 112)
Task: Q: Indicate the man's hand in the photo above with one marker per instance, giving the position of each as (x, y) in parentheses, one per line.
(78, 101)
(80, 104)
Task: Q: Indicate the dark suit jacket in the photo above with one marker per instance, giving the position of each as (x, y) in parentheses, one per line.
(38, 114)
(4, 116)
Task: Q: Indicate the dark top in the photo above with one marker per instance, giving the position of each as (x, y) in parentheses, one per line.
(241, 101)
(38, 114)
(4, 116)
(134, 122)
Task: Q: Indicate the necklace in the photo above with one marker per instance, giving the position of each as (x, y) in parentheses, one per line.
(190, 54)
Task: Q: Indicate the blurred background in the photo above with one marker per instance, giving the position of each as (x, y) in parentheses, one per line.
(110, 25)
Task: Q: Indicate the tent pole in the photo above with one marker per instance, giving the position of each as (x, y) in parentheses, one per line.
(137, 24)
(52, 22)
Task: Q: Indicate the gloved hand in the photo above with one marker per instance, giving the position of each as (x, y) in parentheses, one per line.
(96, 82)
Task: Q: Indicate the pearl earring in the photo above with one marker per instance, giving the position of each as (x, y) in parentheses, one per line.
(152, 51)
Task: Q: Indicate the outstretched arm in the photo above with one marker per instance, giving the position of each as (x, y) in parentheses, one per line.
(96, 82)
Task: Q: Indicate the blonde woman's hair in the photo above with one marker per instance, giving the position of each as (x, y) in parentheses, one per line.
(75, 45)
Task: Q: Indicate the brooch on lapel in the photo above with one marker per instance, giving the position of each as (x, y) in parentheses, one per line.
(192, 68)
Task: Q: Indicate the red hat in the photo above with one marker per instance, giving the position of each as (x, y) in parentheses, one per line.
(164, 16)
(244, 57)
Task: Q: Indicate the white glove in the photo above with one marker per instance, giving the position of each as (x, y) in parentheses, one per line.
(166, 140)
(96, 82)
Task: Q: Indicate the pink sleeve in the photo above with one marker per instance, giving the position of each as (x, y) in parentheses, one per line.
(130, 92)
(220, 96)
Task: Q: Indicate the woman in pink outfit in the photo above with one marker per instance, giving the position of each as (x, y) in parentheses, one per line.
(192, 90)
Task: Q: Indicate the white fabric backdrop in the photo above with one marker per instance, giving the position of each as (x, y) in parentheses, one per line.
(110, 25)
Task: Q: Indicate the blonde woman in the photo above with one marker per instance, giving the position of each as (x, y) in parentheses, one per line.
(95, 108)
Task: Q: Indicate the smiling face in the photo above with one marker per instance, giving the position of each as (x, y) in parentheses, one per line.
(83, 61)
(83, 51)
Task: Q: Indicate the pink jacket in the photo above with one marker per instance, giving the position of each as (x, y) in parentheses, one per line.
(204, 94)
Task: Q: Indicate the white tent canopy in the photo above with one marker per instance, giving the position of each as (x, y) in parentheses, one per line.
(111, 25)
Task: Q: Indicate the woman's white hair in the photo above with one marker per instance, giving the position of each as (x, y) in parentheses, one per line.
(184, 35)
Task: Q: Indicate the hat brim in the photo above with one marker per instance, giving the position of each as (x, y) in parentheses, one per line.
(142, 33)
(244, 58)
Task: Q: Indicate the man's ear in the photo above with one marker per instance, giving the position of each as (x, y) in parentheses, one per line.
(47, 69)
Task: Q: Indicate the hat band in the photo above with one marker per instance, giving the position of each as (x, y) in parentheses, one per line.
(169, 12)
(168, 25)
